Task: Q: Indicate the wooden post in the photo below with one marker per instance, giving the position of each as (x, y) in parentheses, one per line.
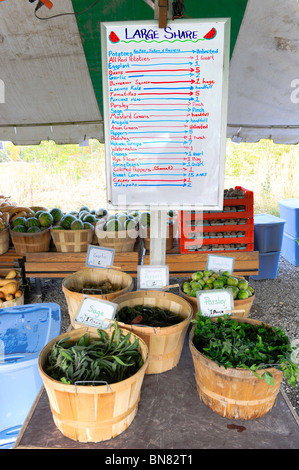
(163, 11)
(158, 237)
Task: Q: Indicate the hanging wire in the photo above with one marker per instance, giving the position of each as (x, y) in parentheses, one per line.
(179, 8)
(64, 14)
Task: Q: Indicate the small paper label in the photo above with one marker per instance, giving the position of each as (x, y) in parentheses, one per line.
(152, 277)
(99, 257)
(219, 264)
(94, 312)
(214, 303)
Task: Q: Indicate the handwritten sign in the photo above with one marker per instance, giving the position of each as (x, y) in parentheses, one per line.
(99, 257)
(93, 312)
(152, 277)
(220, 264)
(214, 303)
(165, 106)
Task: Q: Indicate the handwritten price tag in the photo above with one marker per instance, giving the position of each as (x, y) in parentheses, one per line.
(220, 263)
(93, 312)
(99, 257)
(152, 277)
(215, 303)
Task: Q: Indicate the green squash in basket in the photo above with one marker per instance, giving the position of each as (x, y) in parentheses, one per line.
(45, 219)
(77, 225)
(19, 228)
(33, 229)
(19, 221)
(32, 222)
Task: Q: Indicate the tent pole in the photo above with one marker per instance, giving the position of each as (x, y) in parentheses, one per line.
(158, 237)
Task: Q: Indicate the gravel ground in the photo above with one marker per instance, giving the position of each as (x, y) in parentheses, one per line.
(276, 303)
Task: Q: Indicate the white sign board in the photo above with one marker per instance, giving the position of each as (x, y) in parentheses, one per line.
(220, 264)
(152, 277)
(93, 312)
(165, 112)
(214, 303)
(99, 257)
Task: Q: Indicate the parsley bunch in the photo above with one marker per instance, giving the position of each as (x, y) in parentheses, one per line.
(233, 344)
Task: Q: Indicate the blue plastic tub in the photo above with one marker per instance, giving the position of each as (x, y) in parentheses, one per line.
(268, 265)
(24, 331)
(289, 210)
(290, 249)
(268, 232)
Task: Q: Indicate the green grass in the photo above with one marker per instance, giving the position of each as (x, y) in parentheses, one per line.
(69, 176)
(270, 170)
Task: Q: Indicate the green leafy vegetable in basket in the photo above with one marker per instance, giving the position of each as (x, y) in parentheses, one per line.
(105, 287)
(149, 316)
(109, 359)
(238, 344)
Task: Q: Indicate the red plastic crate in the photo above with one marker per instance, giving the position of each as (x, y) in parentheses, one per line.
(248, 237)
(246, 201)
(185, 227)
(188, 219)
(185, 248)
(248, 198)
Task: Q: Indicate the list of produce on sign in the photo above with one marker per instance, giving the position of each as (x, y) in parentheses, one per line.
(165, 93)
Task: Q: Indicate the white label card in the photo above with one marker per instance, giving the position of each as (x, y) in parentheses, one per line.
(220, 263)
(215, 302)
(152, 277)
(99, 257)
(93, 312)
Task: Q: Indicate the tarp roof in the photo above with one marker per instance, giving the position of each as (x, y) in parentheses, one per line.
(51, 69)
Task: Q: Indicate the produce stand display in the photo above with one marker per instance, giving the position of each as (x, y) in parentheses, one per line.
(170, 421)
(163, 344)
(150, 369)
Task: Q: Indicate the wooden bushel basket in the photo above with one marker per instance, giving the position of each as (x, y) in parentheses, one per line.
(145, 235)
(4, 240)
(93, 413)
(37, 242)
(96, 277)
(234, 393)
(243, 305)
(164, 344)
(72, 241)
(13, 303)
(122, 241)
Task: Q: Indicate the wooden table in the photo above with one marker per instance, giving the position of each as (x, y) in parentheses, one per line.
(56, 265)
(171, 416)
(183, 264)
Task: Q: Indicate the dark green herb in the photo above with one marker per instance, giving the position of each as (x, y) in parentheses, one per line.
(233, 344)
(105, 359)
(149, 316)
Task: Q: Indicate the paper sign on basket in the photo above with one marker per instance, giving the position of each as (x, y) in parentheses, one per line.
(99, 257)
(152, 277)
(93, 312)
(220, 263)
(215, 302)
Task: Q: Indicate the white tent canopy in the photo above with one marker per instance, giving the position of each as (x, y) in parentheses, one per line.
(48, 93)
(48, 90)
(264, 74)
